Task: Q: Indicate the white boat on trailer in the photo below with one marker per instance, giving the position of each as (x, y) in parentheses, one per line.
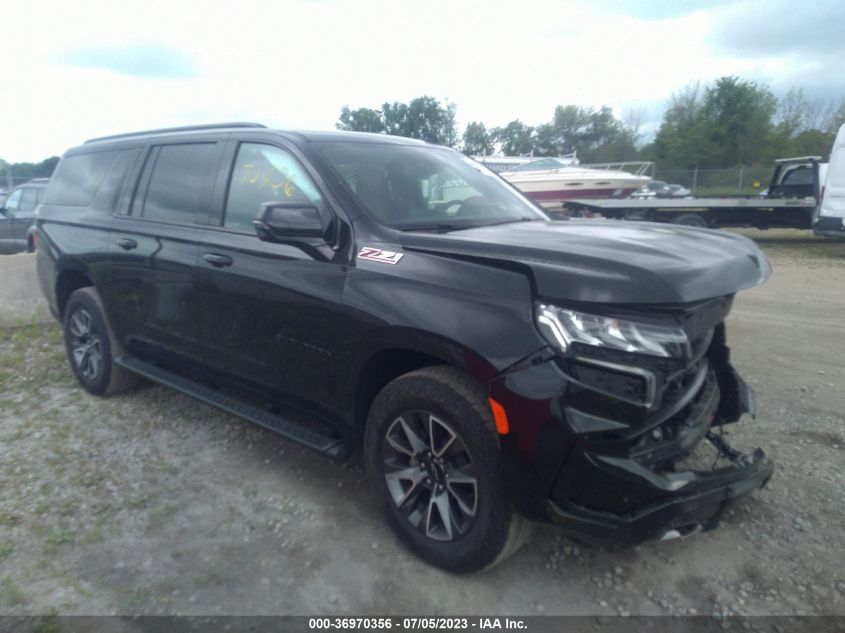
(550, 181)
(501, 163)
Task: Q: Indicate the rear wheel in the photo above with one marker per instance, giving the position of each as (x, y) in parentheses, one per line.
(690, 219)
(434, 463)
(91, 346)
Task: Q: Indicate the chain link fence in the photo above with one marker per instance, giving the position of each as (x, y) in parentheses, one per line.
(711, 182)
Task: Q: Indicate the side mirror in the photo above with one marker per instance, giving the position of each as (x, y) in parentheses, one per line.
(289, 222)
(295, 223)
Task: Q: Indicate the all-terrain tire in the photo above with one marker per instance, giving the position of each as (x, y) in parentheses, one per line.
(496, 530)
(84, 310)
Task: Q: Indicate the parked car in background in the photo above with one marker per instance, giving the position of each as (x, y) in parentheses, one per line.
(17, 231)
(797, 179)
(653, 189)
(831, 211)
(679, 191)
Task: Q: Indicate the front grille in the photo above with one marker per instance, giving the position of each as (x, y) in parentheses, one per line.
(676, 436)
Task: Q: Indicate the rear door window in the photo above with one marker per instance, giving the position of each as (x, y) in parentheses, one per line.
(179, 183)
(109, 196)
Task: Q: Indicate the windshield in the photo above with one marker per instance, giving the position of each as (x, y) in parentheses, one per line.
(419, 187)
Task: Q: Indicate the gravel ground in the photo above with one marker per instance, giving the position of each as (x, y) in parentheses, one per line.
(150, 503)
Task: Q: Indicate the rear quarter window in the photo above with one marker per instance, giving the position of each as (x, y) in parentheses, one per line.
(78, 177)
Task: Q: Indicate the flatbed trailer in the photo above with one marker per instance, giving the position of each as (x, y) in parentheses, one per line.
(714, 212)
(774, 210)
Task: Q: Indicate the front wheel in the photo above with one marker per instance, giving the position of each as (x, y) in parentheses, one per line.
(434, 462)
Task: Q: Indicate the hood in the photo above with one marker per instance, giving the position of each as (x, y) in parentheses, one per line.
(606, 261)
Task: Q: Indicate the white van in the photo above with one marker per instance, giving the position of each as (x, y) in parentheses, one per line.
(831, 222)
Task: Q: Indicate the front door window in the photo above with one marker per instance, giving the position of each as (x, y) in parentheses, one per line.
(264, 173)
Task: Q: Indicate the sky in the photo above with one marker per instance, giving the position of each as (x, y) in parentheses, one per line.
(81, 69)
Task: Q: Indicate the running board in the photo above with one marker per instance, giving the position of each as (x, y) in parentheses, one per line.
(286, 426)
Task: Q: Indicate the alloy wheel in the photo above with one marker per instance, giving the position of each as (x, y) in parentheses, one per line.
(430, 475)
(85, 344)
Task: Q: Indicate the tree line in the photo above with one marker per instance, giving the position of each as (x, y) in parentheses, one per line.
(729, 123)
(26, 171)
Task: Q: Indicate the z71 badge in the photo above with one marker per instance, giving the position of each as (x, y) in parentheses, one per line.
(378, 255)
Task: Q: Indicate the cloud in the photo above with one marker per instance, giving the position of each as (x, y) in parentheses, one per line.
(147, 60)
(177, 65)
(777, 27)
(787, 44)
(656, 9)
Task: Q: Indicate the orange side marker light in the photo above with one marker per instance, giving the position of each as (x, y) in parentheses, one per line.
(500, 416)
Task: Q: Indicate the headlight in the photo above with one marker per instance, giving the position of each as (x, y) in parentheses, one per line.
(562, 328)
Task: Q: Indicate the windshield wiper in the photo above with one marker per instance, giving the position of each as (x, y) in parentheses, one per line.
(445, 227)
(511, 221)
(439, 227)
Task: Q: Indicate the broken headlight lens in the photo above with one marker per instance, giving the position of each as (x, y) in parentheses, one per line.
(562, 328)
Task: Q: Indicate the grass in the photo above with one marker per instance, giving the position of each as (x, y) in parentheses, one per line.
(10, 519)
(709, 192)
(157, 517)
(56, 538)
(211, 576)
(11, 594)
(793, 244)
(6, 550)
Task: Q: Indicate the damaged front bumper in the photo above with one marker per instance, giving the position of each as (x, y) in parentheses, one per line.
(689, 501)
(646, 493)
(610, 476)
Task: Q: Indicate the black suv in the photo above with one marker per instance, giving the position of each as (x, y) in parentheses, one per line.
(365, 291)
(17, 230)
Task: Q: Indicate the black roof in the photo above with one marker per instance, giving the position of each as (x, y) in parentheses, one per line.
(339, 136)
(306, 135)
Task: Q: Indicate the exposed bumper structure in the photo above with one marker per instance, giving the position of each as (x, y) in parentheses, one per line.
(688, 501)
(609, 472)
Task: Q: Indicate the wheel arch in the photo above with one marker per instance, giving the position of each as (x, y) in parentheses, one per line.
(67, 282)
(399, 352)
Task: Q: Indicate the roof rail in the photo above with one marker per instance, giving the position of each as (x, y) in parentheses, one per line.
(798, 159)
(186, 128)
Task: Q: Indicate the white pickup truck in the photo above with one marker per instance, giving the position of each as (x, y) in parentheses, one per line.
(831, 216)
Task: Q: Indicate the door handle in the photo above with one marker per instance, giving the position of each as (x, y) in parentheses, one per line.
(216, 260)
(126, 244)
